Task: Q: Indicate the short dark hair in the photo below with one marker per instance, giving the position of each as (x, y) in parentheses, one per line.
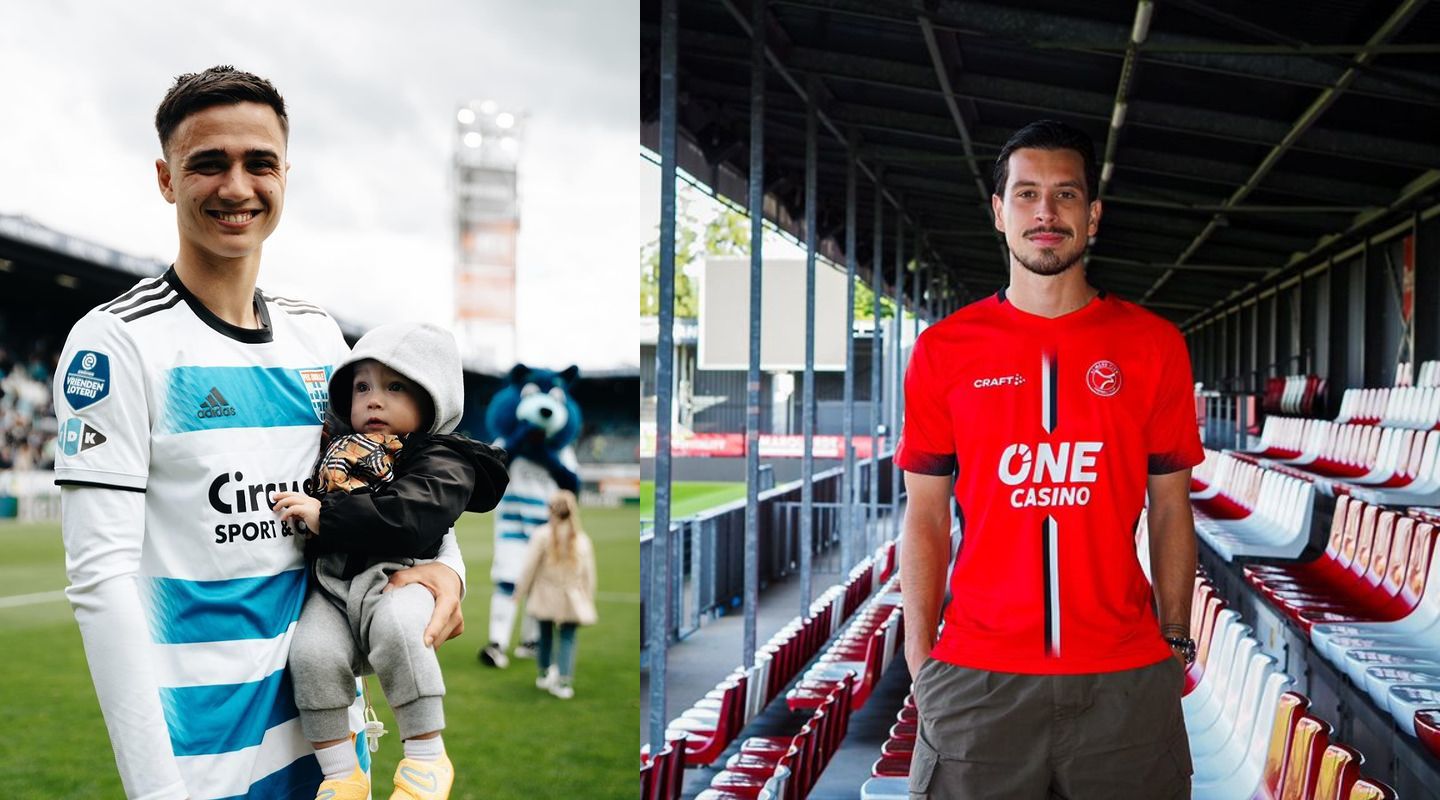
(217, 86)
(1049, 134)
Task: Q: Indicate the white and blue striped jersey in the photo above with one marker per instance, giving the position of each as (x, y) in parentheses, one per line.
(184, 584)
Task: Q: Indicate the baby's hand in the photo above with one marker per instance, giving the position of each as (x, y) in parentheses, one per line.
(301, 509)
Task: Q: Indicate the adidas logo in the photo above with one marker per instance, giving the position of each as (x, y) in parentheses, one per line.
(215, 405)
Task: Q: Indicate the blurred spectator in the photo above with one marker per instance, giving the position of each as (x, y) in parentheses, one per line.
(28, 427)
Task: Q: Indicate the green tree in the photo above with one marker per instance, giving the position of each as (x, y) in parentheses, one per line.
(727, 233)
(865, 302)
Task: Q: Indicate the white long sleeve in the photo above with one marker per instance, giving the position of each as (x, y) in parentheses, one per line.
(450, 556)
(103, 531)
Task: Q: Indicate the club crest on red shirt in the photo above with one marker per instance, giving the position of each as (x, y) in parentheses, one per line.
(1103, 378)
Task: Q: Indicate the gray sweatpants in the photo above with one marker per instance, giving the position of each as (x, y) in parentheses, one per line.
(349, 628)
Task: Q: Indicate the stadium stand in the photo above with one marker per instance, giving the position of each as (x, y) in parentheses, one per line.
(829, 693)
(1294, 394)
(27, 417)
(1361, 592)
(1247, 510)
(1358, 617)
(1314, 339)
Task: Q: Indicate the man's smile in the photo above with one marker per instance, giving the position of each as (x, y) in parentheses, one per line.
(234, 218)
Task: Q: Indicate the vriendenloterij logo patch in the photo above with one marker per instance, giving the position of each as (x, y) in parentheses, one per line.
(76, 437)
(87, 380)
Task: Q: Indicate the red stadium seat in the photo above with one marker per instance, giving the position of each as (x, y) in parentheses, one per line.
(1288, 711)
(1369, 789)
(662, 776)
(897, 766)
(1339, 769)
(1307, 747)
(705, 741)
(1427, 727)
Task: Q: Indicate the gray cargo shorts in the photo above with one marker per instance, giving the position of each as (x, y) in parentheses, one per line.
(1112, 735)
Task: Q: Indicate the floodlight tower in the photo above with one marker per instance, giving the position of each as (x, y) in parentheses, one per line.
(487, 216)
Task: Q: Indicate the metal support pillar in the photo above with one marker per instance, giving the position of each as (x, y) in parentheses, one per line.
(752, 383)
(658, 607)
(877, 401)
(922, 273)
(915, 293)
(1427, 293)
(807, 413)
(1370, 295)
(898, 388)
(847, 480)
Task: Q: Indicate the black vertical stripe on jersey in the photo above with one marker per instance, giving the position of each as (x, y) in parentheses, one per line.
(1054, 387)
(1047, 569)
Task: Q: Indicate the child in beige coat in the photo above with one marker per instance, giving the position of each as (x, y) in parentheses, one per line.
(558, 587)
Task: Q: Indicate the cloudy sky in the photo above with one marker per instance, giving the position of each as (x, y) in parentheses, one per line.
(372, 90)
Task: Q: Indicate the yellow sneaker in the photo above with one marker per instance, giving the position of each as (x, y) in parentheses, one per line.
(423, 780)
(356, 786)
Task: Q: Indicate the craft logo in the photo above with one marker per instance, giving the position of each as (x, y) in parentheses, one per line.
(1103, 378)
(76, 437)
(1005, 380)
(87, 381)
(317, 386)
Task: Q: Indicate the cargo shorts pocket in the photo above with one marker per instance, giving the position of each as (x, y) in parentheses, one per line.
(922, 770)
(921, 680)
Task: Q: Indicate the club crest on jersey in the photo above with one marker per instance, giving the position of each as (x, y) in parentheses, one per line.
(1103, 378)
(77, 437)
(87, 380)
(317, 385)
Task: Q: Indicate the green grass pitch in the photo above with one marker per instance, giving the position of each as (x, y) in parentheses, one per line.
(690, 497)
(506, 738)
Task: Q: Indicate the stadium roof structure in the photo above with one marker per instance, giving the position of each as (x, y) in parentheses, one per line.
(1241, 142)
(23, 239)
(45, 268)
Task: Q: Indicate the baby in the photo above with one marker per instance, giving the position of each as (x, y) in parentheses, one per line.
(382, 500)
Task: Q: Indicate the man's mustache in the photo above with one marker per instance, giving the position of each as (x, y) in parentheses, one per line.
(1042, 229)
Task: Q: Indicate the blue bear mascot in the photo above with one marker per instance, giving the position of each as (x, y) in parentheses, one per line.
(536, 420)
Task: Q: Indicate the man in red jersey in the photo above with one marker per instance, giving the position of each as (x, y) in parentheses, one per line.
(1049, 411)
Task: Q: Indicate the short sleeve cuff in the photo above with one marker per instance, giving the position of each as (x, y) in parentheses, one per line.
(923, 463)
(71, 476)
(1166, 463)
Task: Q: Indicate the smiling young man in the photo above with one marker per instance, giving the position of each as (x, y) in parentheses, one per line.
(1048, 412)
(193, 398)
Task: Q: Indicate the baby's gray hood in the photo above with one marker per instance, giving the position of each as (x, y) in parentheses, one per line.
(422, 352)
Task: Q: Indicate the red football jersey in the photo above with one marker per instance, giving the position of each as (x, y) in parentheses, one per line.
(1052, 427)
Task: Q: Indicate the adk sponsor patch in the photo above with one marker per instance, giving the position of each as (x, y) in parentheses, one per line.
(77, 437)
(87, 380)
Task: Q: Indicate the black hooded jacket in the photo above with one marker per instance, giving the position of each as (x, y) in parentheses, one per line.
(436, 478)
